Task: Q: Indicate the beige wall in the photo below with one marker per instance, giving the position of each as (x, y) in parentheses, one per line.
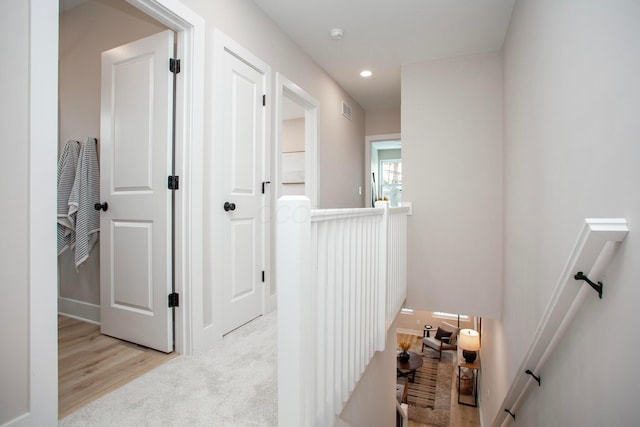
(452, 174)
(383, 121)
(14, 172)
(571, 102)
(292, 135)
(85, 32)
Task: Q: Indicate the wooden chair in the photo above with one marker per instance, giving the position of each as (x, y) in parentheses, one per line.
(446, 338)
(403, 392)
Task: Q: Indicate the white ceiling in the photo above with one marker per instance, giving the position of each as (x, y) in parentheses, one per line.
(381, 35)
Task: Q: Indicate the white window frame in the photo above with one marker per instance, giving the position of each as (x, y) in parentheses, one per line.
(450, 316)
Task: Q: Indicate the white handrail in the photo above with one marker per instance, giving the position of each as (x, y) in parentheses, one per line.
(591, 254)
(341, 277)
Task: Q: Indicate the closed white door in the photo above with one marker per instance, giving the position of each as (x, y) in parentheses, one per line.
(135, 155)
(244, 151)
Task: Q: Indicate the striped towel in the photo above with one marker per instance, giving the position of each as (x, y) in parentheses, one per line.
(84, 195)
(66, 175)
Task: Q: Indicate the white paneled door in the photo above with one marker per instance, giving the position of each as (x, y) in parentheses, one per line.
(136, 158)
(243, 122)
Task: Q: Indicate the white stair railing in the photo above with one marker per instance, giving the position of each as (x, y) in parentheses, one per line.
(590, 255)
(341, 277)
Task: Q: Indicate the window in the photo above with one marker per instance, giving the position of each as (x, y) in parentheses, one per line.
(450, 315)
(391, 181)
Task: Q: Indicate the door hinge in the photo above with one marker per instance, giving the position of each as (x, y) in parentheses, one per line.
(174, 300)
(173, 182)
(174, 65)
(263, 184)
(264, 100)
(262, 276)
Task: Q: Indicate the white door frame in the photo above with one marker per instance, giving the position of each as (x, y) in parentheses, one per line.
(190, 29)
(312, 183)
(43, 84)
(369, 140)
(42, 351)
(311, 113)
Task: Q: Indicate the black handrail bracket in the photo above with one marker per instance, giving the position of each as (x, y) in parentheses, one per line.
(598, 287)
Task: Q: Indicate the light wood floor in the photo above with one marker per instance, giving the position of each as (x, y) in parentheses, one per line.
(460, 415)
(91, 365)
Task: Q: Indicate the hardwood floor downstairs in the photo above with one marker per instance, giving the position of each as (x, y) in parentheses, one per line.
(460, 415)
(91, 365)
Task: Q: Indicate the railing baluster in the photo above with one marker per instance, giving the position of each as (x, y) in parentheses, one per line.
(339, 283)
(331, 332)
(345, 319)
(339, 330)
(318, 236)
(359, 303)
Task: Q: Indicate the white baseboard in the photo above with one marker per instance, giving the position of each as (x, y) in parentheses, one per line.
(79, 310)
(409, 331)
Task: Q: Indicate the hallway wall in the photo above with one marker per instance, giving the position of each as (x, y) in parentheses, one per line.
(452, 175)
(373, 400)
(383, 121)
(572, 102)
(85, 32)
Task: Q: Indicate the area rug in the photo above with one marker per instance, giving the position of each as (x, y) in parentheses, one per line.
(429, 396)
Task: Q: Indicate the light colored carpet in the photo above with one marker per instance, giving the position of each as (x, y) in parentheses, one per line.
(233, 384)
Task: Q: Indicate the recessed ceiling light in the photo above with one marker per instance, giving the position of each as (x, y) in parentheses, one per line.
(366, 73)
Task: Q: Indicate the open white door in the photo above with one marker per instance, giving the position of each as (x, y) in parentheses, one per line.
(243, 141)
(136, 156)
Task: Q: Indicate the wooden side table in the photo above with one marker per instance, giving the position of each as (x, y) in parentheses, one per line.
(474, 367)
(408, 368)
